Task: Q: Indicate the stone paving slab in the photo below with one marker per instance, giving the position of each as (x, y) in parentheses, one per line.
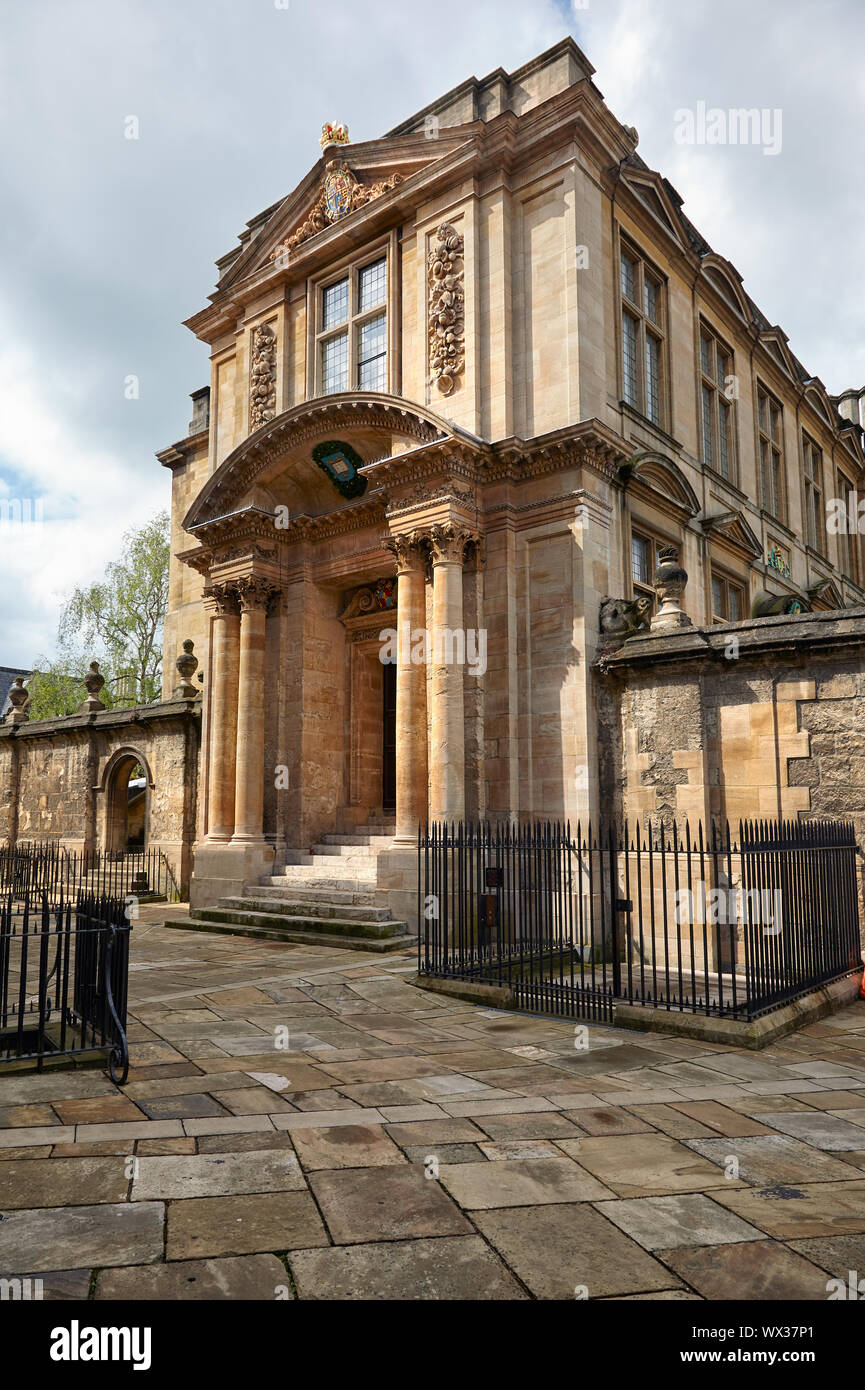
(345, 1146)
(661, 1223)
(822, 1130)
(452, 1267)
(559, 1171)
(203, 1226)
(517, 1183)
(772, 1159)
(554, 1250)
(801, 1210)
(769, 1272)
(61, 1182)
(239, 1278)
(68, 1237)
(644, 1165)
(386, 1204)
(216, 1175)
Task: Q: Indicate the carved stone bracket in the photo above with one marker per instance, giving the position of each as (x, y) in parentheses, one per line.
(262, 377)
(445, 280)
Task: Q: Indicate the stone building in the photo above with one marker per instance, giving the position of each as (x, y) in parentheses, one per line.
(468, 381)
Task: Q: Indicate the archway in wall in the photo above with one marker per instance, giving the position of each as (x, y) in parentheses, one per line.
(127, 790)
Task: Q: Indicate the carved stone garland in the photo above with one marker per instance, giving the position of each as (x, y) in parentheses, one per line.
(262, 377)
(445, 278)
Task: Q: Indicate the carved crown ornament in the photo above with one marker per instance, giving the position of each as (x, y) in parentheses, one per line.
(341, 193)
(445, 281)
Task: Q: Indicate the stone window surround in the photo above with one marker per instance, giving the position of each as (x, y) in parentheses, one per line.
(729, 581)
(625, 246)
(648, 530)
(386, 246)
(706, 330)
(761, 392)
(813, 493)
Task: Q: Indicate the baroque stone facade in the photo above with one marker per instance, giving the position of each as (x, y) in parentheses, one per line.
(485, 365)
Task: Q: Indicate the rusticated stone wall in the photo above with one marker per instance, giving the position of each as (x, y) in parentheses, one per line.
(58, 778)
(761, 719)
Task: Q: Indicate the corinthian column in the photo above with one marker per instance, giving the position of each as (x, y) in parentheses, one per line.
(223, 715)
(253, 596)
(447, 655)
(411, 726)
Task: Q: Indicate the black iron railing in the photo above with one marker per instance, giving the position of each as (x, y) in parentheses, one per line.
(656, 916)
(48, 867)
(64, 974)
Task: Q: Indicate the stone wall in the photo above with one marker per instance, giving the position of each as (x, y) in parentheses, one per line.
(761, 719)
(57, 778)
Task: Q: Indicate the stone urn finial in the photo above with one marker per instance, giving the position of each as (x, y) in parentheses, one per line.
(18, 696)
(93, 683)
(669, 582)
(187, 665)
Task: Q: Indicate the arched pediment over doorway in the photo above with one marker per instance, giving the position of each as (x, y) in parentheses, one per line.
(287, 462)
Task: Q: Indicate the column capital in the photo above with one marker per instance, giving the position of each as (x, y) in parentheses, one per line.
(253, 592)
(224, 599)
(448, 542)
(409, 548)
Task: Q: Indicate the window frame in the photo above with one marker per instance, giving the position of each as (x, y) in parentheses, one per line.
(773, 446)
(849, 544)
(711, 384)
(640, 530)
(647, 329)
(727, 582)
(355, 320)
(813, 495)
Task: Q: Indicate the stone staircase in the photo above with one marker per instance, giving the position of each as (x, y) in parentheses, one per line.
(325, 898)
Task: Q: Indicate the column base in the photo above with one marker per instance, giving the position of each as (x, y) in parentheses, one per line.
(224, 870)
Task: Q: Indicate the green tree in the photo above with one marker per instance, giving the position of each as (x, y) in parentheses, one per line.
(117, 621)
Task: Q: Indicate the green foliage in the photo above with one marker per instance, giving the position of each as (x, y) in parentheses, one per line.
(53, 691)
(117, 621)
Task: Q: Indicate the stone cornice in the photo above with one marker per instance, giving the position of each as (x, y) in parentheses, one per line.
(792, 637)
(134, 717)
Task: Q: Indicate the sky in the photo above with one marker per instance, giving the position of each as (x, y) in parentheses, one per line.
(108, 242)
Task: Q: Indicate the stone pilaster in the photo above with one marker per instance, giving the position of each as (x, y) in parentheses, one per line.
(253, 596)
(411, 717)
(222, 750)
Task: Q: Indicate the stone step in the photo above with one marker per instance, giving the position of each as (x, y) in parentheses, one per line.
(377, 945)
(327, 874)
(305, 922)
(278, 888)
(344, 852)
(368, 839)
(290, 903)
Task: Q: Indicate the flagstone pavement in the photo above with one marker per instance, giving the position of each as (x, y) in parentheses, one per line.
(304, 1123)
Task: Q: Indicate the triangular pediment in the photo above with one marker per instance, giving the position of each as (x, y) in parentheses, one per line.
(649, 188)
(824, 595)
(731, 527)
(344, 180)
(774, 340)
